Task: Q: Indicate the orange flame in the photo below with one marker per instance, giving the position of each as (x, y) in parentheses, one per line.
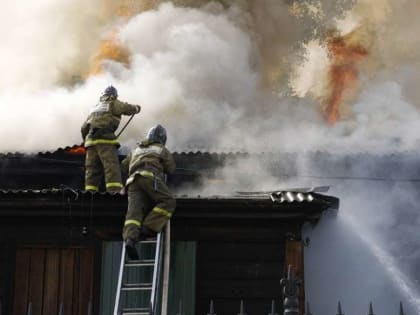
(110, 48)
(77, 149)
(343, 73)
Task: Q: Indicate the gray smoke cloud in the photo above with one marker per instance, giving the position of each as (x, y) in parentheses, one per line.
(369, 252)
(205, 73)
(217, 75)
(46, 43)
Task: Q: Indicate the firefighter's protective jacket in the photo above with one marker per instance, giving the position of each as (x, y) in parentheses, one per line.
(104, 119)
(149, 159)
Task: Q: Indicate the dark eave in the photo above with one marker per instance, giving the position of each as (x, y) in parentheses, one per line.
(53, 212)
(57, 202)
(42, 194)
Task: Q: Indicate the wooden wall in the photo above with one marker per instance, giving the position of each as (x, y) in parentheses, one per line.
(47, 277)
(294, 257)
(230, 271)
(6, 276)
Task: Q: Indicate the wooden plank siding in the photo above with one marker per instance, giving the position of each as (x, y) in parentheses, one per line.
(239, 251)
(294, 257)
(67, 283)
(230, 271)
(49, 276)
(7, 266)
(36, 271)
(21, 301)
(85, 280)
(51, 283)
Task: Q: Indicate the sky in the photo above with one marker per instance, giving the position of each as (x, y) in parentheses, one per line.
(254, 76)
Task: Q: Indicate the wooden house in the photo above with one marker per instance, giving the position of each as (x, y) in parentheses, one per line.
(61, 245)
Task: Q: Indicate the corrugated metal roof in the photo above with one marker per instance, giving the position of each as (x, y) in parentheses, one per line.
(295, 203)
(290, 196)
(283, 196)
(237, 153)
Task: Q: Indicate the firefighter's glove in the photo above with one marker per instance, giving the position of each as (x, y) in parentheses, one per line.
(85, 130)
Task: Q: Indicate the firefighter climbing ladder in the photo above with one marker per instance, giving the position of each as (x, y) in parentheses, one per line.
(156, 288)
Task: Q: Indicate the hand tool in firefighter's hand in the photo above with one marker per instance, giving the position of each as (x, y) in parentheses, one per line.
(125, 126)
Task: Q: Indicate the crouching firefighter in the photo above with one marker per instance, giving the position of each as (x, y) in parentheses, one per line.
(150, 203)
(98, 133)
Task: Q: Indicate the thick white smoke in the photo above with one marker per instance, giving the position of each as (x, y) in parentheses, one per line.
(197, 71)
(216, 77)
(47, 42)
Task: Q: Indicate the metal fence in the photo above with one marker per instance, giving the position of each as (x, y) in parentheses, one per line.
(291, 306)
(286, 311)
(288, 308)
(60, 310)
(340, 310)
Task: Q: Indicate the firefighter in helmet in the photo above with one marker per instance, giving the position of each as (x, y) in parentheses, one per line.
(150, 203)
(98, 133)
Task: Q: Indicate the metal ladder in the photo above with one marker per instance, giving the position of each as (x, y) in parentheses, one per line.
(142, 288)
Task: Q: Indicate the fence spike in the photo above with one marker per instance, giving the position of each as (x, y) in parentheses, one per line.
(180, 308)
(30, 308)
(339, 311)
(273, 308)
(371, 309)
(61, 310)
(211, 310)
(401, 309)
(290, 288)
(308, 309)
(242, 308)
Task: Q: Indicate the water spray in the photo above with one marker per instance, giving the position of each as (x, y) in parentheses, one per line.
(404, 285)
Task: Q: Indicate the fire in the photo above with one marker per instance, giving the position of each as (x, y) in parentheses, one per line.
(345, 53)
(77, 149)
(110, 48)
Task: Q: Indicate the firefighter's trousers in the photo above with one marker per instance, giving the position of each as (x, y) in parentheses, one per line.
(102, 159)
(150, 203)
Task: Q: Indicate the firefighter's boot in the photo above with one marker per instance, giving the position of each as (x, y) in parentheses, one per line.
(130, 248)
(146, 232)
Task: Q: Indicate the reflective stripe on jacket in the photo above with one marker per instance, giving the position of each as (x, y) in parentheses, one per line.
(151, 160)
(104, 119)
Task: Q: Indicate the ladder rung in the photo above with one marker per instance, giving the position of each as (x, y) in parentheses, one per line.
(136, 311)
(149, 241)
(140, 263)
(136, 287)
(145, 289)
